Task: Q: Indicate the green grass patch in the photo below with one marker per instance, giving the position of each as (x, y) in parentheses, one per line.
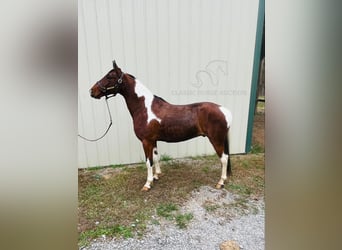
(115, 231)
(103, 167)
(241, 189)
(205, 169)
(241, 203)
(204, 157)
(210, 206)
(165, 157)
(182, 220)
(246, 164)
(167, 210)
(256, 149)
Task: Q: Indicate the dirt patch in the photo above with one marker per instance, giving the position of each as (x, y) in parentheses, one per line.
(208, 202)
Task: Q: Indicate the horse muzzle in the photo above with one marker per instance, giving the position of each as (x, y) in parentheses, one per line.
(95, 94)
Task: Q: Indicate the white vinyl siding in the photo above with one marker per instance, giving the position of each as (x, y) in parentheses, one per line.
(183, 51)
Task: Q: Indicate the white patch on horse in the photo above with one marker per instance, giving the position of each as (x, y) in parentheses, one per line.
(149, 174)
(228, 115)
(156, 159)
(224, 161)
(141, 90)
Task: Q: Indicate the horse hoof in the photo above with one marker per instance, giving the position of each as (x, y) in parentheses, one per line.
(155, 178)
(219, 186)
(145, 189)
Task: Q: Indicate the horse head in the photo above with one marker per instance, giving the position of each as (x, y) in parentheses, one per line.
(109, 85)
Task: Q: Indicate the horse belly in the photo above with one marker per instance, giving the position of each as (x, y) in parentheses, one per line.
(177, 132)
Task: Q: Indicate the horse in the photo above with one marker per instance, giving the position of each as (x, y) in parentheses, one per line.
(155, 119)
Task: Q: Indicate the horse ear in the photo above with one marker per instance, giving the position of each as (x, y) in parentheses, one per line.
(114, 65)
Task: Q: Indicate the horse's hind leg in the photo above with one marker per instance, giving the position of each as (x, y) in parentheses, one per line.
(156, 159)
(221, 148)
(224, 162)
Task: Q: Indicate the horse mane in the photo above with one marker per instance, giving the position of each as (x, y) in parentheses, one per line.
(131, 75)
(158, 97)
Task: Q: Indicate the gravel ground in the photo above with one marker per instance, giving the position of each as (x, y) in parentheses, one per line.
(207, 230)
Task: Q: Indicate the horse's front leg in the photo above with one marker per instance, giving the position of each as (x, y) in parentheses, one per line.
(148, 149)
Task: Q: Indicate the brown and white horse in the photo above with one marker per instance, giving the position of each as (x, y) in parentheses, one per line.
(155, 120)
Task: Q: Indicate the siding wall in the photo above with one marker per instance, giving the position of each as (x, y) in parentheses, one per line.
(183, 51)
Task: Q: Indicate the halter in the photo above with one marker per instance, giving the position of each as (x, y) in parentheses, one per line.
(115, 86)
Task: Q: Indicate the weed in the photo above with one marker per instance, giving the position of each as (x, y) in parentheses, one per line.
(205, 169)
(103, 167)
(245, 164)
(116, 230)
(92, 190)
(204, 157)
(95, 168)
(256, 149)
(155, 222)
(241, 202)
(240, 188)
(259, 181)
(197, 157)
(210, 206)
(182, 220)
(165, 157)
(166, 210)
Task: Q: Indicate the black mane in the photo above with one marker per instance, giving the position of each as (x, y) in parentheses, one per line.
(131, 75)
(158, 97)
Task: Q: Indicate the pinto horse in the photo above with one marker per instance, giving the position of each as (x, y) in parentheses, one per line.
(155, 120)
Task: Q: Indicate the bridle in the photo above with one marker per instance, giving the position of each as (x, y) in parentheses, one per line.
(104, 90)
(116, 86)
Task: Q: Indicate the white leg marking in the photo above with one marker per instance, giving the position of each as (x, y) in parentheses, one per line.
(224, 161)
(156, 163)
(228, 115)
(141, 90)
(149, 174)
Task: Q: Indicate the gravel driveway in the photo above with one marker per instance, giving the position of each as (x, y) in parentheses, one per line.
(208, 228)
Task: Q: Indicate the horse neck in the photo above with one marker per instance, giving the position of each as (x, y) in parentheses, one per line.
(132, 94)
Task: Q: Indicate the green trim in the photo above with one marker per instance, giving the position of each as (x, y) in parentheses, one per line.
(255, 75)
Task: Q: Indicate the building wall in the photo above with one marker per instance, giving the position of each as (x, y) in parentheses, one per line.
(183, 51)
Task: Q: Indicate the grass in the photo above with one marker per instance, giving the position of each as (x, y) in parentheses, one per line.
(241, 189)
(205, 169)
(116, 230)
(182, 220)
(115, 207)
(166, 210)
(170, 212)
(165, 158)
(204, 157)
(103, 167)
(256, 149)
(210, 206)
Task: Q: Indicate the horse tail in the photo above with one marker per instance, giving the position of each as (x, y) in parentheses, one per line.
(226, 151)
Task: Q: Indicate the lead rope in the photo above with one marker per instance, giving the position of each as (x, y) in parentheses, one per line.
(110, 124)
